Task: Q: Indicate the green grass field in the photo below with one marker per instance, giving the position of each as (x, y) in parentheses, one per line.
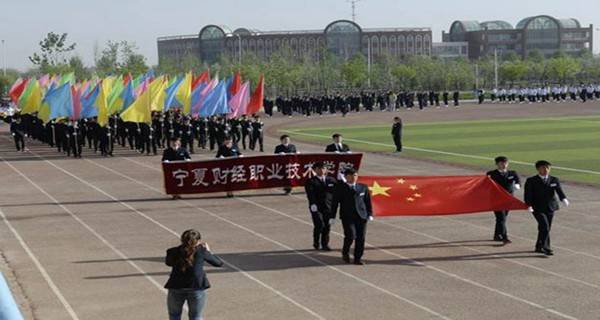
(572, 144)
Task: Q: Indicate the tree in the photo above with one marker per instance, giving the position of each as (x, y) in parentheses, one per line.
(120, 57)
(76, 66)
(406, 75)
(53, 52)
(563, 68)
(354, 71)
(513, 71)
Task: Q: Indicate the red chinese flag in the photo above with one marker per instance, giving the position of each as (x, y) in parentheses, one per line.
(202, 78)
(256, 101)
(429, 196)
(16, 90)
(236, 84)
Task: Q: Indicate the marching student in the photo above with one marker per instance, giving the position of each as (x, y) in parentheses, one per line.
(16, 130)
(187, 281)
(540, 196)
(285, 148)
(319, 191)
(397, 134)
(354, 202)
(509, 181)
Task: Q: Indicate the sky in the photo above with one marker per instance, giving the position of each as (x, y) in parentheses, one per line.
(91, 23)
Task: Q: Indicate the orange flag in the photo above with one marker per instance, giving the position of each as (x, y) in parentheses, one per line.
(256, 101)
(442, 195)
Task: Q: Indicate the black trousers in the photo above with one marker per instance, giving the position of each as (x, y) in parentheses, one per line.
(19, 142)
(321, 230)
(355, 231)
(544, 221)
(398, 143)
(500, 230)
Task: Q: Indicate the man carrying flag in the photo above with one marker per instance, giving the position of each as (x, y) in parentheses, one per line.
(354, 202)
(509, 181)
(540, 196)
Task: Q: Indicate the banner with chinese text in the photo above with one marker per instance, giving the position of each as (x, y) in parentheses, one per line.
(259, 172)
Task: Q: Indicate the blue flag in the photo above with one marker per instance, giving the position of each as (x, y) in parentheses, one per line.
(128, 96)
(216, 102)
(170, 101)
(87, 103)
(60, 102)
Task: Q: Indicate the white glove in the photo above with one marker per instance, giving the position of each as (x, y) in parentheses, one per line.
(565, 201)
(530, 209)
(331, 222)
(517, 186)
(371, 218)
(313, 208)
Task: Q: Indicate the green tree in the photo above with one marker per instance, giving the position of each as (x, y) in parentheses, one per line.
(54, 51)
(76, 66)
(562, 69)
(513, 71)
(354, 71)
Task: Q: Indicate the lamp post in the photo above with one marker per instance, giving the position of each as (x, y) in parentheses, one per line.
(4, 56)
(239, 48)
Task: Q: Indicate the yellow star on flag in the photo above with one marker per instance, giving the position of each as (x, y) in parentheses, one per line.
(409, 199)
(417, 195)
(401, 181)
(413, 187)
(376, 189)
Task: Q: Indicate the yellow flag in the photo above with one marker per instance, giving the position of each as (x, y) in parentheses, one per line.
(34, 100)
(139, 110)
(158, 94)
(44, 112)
(102, 101)
(184, 93)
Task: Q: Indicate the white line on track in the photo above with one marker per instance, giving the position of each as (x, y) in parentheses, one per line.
(124, 257)
(41, 268)
(447, 273)
(461, 155)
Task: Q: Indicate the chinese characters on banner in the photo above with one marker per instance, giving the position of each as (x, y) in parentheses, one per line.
(232, 174)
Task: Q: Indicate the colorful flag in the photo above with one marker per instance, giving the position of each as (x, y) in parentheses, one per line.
(87, 103)
(127, 96)
(256, 101)
(31, 99)
(239, 102)
(140, 110)
(157, 93)
(236, 84)
(170, 101)
(17, 89)
(60, 102)
(184, 93)
(201, 94)
(216, 101)
(429, 196)
(76, 98)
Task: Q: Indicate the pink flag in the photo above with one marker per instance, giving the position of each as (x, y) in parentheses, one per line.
(211, 85)
(44, 80)
(142, 87)
(76, 94)
(239, 102)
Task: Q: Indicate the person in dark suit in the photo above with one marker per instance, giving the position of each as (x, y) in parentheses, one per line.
(397, 134)
(285, 148)
(540, 196)
(188, 281)
(175, 153)
(509, 181)
(319, 191)
(228, 150)
(354, 202)
(337, 146)
(16, 130)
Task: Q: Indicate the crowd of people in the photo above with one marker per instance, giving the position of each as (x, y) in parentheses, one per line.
(541, 94)
(382, 100)
(72, 137)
